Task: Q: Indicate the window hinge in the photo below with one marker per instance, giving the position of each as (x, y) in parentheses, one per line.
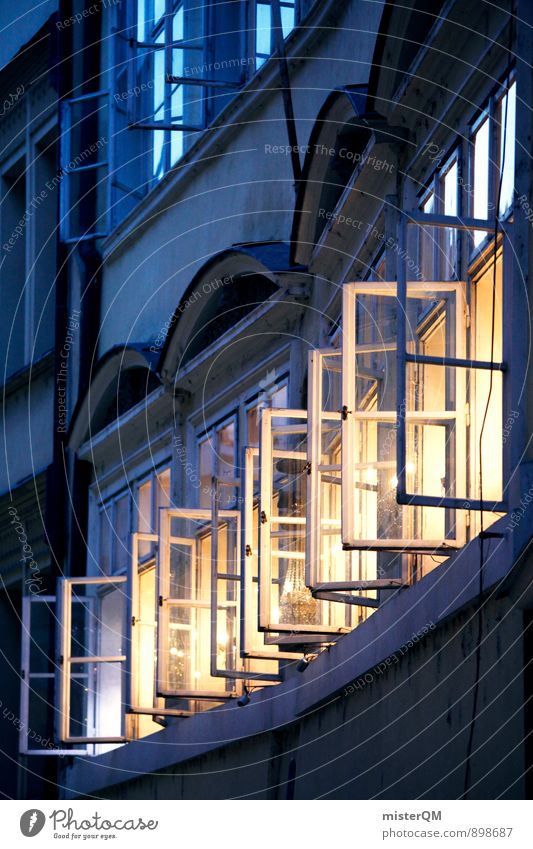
(61, 660)
(248, 551)
(308, 468)
(133, 621)
(467, 315)
(345, 412)
(264, 519)
(467, 414)
(161, 599)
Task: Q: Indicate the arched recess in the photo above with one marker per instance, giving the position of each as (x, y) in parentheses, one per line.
(123, 377)
(336, 144)
(403, 32)
(228, 287)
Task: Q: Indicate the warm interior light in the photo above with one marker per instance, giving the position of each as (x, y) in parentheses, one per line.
(175, 652)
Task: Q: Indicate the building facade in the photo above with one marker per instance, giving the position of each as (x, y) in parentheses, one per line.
(267, 401)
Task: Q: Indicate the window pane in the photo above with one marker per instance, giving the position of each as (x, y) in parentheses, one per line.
(252, 426)
(507, 123)
(279, 398)
(481, 177)
(144, 507)
(121, 533)
(449, 258)
(226, 463)
(162, 493)
(492, 434)
(206, 464)
(287, 18)
(104, 542)
(426, 245)
(146, 649)
(262, 35)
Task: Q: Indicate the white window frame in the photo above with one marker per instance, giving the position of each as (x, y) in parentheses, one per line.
(67, 659)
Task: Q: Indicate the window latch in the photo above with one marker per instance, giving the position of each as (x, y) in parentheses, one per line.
(344, 412)
(161, 600)
(264, 519)
(61, 659)
(248, 550)
(133, 621)
(308, 468)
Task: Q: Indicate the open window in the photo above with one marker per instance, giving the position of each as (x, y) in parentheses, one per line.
(287, 607)
(253, 641)
(434, 408)
(199, 586)
(142, 699)
(85, 187)
(455, 376)
(331, 568)
(228, 608)
(92, 626)
(39, 672)
(183, 57)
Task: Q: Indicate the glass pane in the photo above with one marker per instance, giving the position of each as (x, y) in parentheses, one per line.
(432, 443)
(227, 624)
(226, 462)
(262, 35)
(87, 201)
(109, 706)
(291, 602)
(104, 560)
(492, 434)
(189, 654)
(287, 18)
(145, 634)
(182, 571)
(252, 426)
(121, 513)
(427, 237)
(112, 616)
(88, 132)
(507, 125)
(481, 177)
(449, 235)
(144, 519)
(162, 493)
(41, 711)
(144, 508)
(42, 637)
(207, 468)
(97, 622)
(81, 717)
